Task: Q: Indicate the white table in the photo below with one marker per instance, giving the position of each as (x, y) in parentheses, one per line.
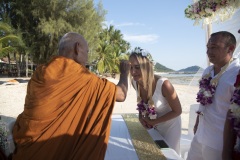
(120, 146)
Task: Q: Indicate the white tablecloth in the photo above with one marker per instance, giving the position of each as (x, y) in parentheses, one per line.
(120, 146)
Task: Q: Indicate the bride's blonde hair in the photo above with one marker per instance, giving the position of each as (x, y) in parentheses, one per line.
(147, 70)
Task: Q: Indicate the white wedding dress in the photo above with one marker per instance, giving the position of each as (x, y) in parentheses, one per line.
(171, 129)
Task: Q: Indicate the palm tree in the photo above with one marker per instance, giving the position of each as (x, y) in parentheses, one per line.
(111, 50)
(105, 61)
(9, 42)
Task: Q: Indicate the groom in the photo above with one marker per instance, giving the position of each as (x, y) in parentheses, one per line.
(207, 143)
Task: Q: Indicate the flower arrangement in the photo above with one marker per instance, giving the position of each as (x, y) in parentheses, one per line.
(147, 110)
(210, 8)
(206, 90)
(235, 111)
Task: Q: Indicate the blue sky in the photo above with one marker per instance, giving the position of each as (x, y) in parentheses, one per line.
(161, 28)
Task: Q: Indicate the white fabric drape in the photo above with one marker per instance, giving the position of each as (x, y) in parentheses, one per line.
(232, 25)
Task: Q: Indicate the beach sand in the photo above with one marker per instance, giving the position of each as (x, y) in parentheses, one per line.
(13, 96)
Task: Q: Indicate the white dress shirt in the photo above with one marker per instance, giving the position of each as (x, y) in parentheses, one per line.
(211, 123)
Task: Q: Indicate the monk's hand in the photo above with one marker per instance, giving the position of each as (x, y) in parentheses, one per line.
(124, 67)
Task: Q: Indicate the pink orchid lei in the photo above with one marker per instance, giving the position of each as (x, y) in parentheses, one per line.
(207, 87)
(206, 90)
(147, 110)
(235, 112)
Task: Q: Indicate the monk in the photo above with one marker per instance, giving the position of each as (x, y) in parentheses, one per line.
(67, 111)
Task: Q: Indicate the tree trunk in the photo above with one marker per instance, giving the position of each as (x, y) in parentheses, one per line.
(9, 65)
(26, 65)
(20, 65)
(16, 69)
(31, 64)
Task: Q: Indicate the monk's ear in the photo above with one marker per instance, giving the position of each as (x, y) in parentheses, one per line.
(77, 48)
(231, 49)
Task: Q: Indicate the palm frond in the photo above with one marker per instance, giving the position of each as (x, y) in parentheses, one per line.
(6, 28)
(11, 39)
(4, 51)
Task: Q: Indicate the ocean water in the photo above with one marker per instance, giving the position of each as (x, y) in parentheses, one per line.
(183, 79)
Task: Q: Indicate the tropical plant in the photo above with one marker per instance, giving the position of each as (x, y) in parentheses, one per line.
(10, 43)
(8, 40)
(44, 22)
(111, 50)
(105, 61)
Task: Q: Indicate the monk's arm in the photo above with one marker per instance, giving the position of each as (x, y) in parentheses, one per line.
(122, 86)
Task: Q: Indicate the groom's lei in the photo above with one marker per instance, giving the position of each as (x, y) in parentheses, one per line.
(207, 87)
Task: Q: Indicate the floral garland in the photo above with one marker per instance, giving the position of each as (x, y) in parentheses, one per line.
(235, 111)
(207, 87)
(206, 91)
(146, 109)
(212, 9)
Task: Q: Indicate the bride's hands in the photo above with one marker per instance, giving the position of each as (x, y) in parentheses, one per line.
(144, 123)
(149, 122)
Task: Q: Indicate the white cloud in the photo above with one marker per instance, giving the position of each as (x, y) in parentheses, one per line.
(141, 38)
(124, 24)
(129, 24)
(147, 38)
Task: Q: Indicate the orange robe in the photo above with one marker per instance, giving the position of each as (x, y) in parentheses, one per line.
(67, 114)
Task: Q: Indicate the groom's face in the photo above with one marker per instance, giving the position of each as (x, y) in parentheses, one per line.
(217, 51)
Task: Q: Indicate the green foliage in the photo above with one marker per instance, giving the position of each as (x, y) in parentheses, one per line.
(9, 42)
(111, 50)
(44, 22)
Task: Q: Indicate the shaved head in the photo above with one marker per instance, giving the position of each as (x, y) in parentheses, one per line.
(73, 45)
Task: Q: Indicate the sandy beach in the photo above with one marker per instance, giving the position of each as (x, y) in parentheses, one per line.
(13, 96)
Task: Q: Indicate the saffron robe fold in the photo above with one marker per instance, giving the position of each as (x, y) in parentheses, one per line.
(67, 114)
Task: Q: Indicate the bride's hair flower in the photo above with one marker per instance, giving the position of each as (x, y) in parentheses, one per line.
(143, 53)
